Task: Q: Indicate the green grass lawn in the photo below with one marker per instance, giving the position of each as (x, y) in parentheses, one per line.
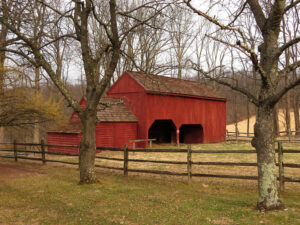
(54, 197)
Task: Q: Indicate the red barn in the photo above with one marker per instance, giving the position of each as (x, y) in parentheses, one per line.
(167, 109)
(172, 110)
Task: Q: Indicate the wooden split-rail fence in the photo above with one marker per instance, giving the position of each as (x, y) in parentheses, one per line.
(14, 150)
(283, 136)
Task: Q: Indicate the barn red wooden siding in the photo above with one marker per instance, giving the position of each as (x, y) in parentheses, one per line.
(108, 134)
(64, 139)
(115, 134)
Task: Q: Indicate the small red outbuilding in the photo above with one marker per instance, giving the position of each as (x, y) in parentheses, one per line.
(167, 109)
(116, 125)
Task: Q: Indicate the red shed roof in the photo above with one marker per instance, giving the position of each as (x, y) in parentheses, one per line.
(167, 85)
(114, 110)
(109, 110)
(72, 127)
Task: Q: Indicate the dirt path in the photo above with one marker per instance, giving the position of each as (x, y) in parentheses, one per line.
(11, 171)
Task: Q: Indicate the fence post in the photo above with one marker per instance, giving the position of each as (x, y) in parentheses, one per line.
(43, 151)
(133, 145)
(280, 166)
(189, 163)
(126, 160)
(15, 151)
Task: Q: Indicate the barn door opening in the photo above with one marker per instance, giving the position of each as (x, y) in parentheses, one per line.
(164, 131)
(191, 133)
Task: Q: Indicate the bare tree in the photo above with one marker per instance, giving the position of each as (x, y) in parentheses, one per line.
(268, 18)
(100, 53)
(3, 43)
(291, 30)
(144, 48)
(181, 37)
(286, 80)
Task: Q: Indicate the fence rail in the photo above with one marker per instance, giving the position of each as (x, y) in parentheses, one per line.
(17, 153)
(283, 136)
(142, 140)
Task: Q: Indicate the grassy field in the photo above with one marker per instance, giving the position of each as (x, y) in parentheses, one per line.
(51, 195)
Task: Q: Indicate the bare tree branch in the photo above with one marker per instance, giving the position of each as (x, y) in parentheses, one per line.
(141, 22)
(223, 27)
(147, 5)
(20, 53)
(293, 4)
(230, 44)
(251, 97)
(289, 68)
(281, 93)
(258, 13)
(59, 38)
(238, 14)
(287, 45)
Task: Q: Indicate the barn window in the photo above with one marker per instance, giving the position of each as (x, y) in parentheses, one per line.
(164, 131)
(191, 134)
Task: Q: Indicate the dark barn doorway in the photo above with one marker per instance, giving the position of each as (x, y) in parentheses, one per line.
(164, 131)
(191, 134)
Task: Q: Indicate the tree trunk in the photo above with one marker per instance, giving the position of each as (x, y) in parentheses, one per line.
(263, 142)
(287, 113)
(2, 136)
(296, 106)
(276, 121)
(286, 80)
(3, 37)
(36, 127)
(248, 118)
(236, 116)
(36, 133)
(87, 149)
(296, 112)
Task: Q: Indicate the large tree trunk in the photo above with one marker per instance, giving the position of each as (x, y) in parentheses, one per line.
(87, 149)
(263, 142)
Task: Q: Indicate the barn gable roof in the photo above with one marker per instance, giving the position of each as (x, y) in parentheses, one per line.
(167, 85)
(72, 127)
(111, 110)
(114, 110)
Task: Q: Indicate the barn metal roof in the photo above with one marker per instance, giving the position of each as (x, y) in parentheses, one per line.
(167, 85)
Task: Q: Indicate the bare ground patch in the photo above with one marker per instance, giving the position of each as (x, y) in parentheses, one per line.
(14, 171)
